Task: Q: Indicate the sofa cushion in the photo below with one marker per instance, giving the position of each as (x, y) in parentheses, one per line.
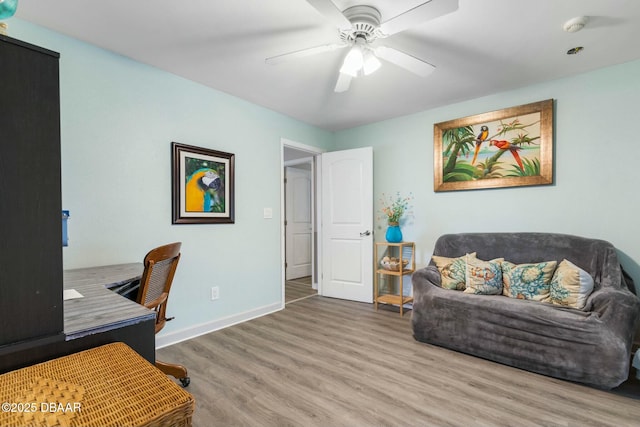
(483, 277)
(527, 281)
(452, 271)
(570, 286)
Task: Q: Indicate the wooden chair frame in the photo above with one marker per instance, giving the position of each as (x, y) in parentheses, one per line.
(162, 260)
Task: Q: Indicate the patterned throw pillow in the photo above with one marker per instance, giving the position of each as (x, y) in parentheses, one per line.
(527, 281)
(484, 277)
(570, 286)
(452, 271)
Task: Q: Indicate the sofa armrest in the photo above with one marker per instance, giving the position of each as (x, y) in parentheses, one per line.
(430, 273)
(618, 308)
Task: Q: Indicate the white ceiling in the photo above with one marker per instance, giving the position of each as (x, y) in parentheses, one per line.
(486, 46)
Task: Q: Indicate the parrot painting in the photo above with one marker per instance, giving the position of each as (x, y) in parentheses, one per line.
(199, 188)
(482, 136)
(506, 145)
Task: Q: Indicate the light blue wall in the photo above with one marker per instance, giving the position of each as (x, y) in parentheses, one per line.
(597, 166)
(118, 119)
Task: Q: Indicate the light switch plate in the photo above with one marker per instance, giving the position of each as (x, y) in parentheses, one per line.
(268, 213)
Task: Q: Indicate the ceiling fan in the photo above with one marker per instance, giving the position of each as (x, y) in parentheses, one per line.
(359, 27)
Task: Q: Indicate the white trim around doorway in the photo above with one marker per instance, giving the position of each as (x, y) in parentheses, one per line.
(313, 152)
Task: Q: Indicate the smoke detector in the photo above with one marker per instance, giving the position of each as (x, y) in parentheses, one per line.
(575, 24)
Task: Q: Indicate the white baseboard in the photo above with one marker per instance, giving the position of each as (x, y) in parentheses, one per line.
(164, 340)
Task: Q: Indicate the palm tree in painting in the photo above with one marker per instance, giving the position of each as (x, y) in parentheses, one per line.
(459, 141)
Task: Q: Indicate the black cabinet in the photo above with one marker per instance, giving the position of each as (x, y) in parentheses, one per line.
(31, 309)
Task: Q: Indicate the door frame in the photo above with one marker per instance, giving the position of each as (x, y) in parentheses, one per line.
(312, 196)
(313, 153)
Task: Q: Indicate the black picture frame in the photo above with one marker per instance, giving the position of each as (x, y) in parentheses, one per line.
(203, 185)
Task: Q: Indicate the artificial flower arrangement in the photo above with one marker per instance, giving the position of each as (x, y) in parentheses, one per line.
(393, 208)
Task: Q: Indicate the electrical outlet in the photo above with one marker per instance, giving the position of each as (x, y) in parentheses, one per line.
(215, 293)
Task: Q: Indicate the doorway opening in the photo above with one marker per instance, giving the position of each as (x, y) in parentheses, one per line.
(300, 251)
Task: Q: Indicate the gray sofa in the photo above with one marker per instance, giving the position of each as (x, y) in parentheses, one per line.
(591, 346)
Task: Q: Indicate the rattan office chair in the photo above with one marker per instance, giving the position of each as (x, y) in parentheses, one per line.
(159, 268)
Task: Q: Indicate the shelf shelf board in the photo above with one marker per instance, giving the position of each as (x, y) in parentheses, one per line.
(395, 273)
(393, 299)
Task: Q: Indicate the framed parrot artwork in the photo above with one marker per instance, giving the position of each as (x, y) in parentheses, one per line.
(505, 148)
(202, 185)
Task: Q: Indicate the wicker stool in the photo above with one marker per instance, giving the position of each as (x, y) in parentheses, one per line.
(109, 385)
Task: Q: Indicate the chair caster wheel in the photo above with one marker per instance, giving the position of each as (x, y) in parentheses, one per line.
(185, 381)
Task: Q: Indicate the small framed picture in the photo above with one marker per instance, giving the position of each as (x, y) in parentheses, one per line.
(202, 185)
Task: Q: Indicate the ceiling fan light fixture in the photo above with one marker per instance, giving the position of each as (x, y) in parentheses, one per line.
(353, 61)
(370, 64)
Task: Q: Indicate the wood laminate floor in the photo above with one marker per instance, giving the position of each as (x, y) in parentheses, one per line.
(296, 289)
(328, 362)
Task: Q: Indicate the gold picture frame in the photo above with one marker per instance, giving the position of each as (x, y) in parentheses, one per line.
(511, 147)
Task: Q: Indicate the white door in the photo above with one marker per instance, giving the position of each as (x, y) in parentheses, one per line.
(347, 224)
(298, 222)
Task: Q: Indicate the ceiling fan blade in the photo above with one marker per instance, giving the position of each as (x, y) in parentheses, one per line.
(343, 83)
(404, 60)
(303, 52)
(419, 14)
(328, 9)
